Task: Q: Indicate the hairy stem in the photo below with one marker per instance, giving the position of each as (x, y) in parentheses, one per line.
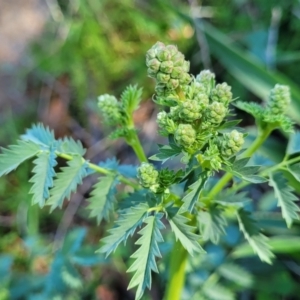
(135, 143)
(178, 261)
(262, 136)
(101, 170)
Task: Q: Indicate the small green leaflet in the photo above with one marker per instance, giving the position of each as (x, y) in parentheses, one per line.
(184, 232)
(236, 274)
(217, 292)
(257, 241)
(69, 146)
(67, 181)
(212, 223)
(136, 198)
(43, 177)
(165, 153)
(131, 98)
(239, 169)
(228, 126)
(295, 171)
(229, 198)
(39, 134)
(252, 108)
(286, 199)
(294, 143)
(14, 155)
(192, 197)
(102, 198)
(145, 256)
(125, 226)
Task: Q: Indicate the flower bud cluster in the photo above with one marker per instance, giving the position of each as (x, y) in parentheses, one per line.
(148, 176)
(168, 66)
(222, 93)
(110, 109)
(231, 143)
(279, 100)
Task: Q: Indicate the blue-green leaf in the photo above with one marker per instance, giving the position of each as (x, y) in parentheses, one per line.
(192, 197)
(145, 256)
(66, 182)
(14, 155)
(295, 171)
(294, 143)
(184, 232)
(257, 241)
(102, 198)
(212, 223)
(43, 177)
(286, 199)
(125, 226)
(69, 146)
(39, 134)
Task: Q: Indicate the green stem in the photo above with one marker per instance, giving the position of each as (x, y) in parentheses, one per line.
(137, 148)
(101, 170)
(262, 136)
(178, 261)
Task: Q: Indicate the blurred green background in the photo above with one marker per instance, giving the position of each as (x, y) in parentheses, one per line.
(57, 56)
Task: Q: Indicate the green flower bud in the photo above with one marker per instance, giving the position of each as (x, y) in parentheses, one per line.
(178, 59)
(185, 135)
(153, 65)
(172, 50)
(162, 77)
(207, 78)
(110, 109)
(190, 111)
(147, 175)
(215, 113)
(176, 72)
(231, 143)
(166, 66)
(211, 157)
(173, 84)
(166, 178)
(163, 54)
(174, 113)
(280, 99)
(161, 119)
(185, 78)
(222, 93)
(186, 66)
(202, 99)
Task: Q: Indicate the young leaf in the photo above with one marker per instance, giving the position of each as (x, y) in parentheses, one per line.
(295, 171)
(286, 199)
(66, 182)
(252, 108)
(131, 98)
(125, 226)
(39, 134)
(102, 198)
(257, 241)
(184, 232)
(294, 143)
(14, 155)
(232, 198)
(228, 126)
(236, 274)
(145, 255)
(68, 145)
(192, 197)
(43, 177)
(212, 223)
(165, 153)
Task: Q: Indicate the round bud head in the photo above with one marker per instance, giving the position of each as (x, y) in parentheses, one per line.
(109, 108)
(153, 64)
(166, 66)
(186, 66)
(280, 99)
(185, 135)
(162, 77)
(152, 52)
(185, 78)
(199, 87)
(176, 72)
(178, 59)
(147, 175)
(222, 93)
(174, 113)
(207, 78)
(172, 50)
(232, 143)
(161, 119)
(202, 99)
(166, 177)
(163, 54)
(190, 111)
(173, 84)
(215, 113)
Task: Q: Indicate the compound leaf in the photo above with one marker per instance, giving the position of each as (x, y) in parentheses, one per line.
(165, 153)
(39, 134)
(286, 199)
(67, 181)
(212, 223)
(257, 241)
(14, 155)
(125, 226)
(184, 232)
(131, 98)
(102, 198)
(70, 146)
(145, 256)
(43, 177)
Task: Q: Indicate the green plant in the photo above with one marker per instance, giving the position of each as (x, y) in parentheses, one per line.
(195, 119)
